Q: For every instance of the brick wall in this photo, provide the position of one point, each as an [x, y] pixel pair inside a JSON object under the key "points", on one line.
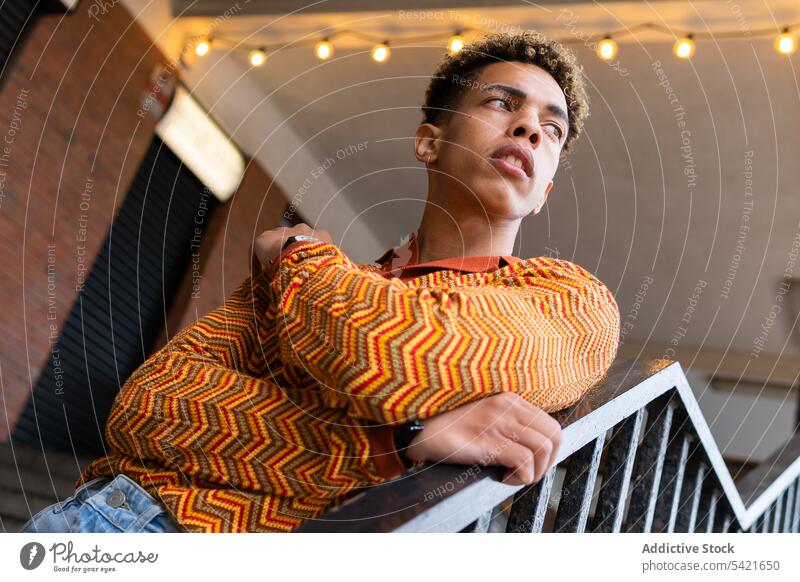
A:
{"points": [[224, 253], [69, 127]]}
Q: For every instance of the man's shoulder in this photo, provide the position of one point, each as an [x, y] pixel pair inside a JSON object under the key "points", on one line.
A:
{"points": [[545, 261], [552, 267], [368, 268]]}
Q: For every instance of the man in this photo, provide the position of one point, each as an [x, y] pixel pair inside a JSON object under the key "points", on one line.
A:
{"points": [[319, 377]]}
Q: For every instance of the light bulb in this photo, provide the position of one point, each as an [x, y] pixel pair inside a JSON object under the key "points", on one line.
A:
{"points": [[257, 57], [455, 44], [684, 47], [606, 49], [380, 53], [323, 49], [786, 42], [202, 48]]}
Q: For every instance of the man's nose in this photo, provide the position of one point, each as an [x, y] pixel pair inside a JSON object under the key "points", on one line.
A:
{"points": [[528, 127]]}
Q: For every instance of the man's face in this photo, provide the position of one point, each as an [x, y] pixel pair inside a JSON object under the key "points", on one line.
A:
{"points": [[501, 148]]}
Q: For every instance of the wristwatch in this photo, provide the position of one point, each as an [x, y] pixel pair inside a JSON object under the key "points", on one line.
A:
{"points": [[298, 238], [403, 436]]}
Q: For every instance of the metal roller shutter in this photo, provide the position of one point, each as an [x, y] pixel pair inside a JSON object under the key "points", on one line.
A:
{"points": [[119, 313]]}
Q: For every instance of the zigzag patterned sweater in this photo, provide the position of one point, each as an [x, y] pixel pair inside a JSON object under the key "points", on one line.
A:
{"points": [[280, 403]]}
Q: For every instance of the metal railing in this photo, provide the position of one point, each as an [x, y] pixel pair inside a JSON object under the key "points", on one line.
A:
{"points": [[636, 456]]}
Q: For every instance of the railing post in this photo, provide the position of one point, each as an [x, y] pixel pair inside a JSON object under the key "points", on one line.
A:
{"points": [[690, 497], [578, 487], [480, 525], [726, 524], [672, 474], [708, 510], [765, 520], [651, 461], [620, 458], [788, 513], [777, 517], [530, 506]]}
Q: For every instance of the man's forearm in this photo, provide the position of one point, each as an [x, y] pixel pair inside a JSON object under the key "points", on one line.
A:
{"points": [[545, 329], [209, 406]]}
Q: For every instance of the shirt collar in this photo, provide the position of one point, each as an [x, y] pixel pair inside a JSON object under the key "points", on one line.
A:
{"points": [[401, 261]]}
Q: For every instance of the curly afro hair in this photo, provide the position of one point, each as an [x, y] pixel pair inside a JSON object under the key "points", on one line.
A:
{"points": [[447, 84]]}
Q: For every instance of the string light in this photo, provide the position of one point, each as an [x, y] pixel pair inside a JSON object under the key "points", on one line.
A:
{"points": [[786, 42], [684, 47], [455, 44], [201, 48], [257, 57], [381, 52], [607, 49], [323, 49]]}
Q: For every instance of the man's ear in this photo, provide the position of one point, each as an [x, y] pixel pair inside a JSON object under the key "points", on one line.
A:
{"points": [[426, 143], [546, 192]]}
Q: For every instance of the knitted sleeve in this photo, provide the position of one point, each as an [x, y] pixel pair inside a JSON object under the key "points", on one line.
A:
{"points": [[388, 351], [208, 407]]}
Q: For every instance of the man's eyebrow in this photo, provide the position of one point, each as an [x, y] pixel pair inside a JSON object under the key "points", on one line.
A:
{"points": [[522, 95], [513, 91]]}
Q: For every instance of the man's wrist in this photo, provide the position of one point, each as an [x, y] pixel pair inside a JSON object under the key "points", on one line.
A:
{"points": [[299, 238], [403, 436], [289, 245]]}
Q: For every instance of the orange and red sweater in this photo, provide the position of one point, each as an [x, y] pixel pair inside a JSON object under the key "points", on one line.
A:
{"points": [[282, 402]]}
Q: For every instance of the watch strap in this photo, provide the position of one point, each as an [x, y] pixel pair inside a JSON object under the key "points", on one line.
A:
{"points": [[299, 238], [404, 434]]}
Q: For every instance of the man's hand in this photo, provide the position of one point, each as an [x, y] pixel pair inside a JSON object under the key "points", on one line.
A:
{"points": [[503, 429], [268, 244]]}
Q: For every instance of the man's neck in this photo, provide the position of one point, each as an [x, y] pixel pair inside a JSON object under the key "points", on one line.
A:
{"points": [[439, 238]]}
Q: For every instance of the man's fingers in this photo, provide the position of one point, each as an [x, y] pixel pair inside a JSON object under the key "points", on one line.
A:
{"points": [[519, 459], [530, 415], [510, 478], [537, 419], [540, 446], [525, 412]]}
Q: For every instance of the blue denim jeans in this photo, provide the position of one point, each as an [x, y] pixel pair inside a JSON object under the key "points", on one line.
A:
{"points": [[104, 505]]}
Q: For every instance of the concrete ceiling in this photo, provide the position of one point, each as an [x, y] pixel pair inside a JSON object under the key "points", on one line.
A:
{"points": [[623, 206]]}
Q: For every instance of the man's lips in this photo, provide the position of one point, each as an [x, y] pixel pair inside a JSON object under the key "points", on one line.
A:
{"points": [[513, 158], [508, 167]]}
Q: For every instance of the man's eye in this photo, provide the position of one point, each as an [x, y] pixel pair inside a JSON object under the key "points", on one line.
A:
{"points": [[506, 103], [555, 131]]}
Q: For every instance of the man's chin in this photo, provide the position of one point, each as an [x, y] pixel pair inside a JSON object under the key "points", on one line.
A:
{"points": [[504, 202], [498, 213]]}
